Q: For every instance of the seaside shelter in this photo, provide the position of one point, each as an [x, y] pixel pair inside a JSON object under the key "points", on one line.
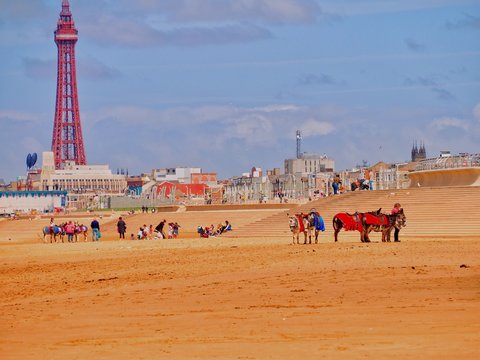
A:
{"points": [[27, 201]]}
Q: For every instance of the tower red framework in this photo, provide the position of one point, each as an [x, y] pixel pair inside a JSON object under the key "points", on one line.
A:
{"points": [[67, 141]]}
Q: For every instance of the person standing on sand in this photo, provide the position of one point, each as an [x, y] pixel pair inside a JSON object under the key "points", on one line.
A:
{"points": [[150, 232], [95, 230], [159, 228], [70, 231], [121, 227], [335, 186], [395, 210], [175, 230], [370, 179]]}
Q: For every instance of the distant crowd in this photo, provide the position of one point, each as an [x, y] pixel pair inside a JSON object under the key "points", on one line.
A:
{"points": [[210, 231], [72, 230], [164, 230], [149, 232], [364, 182]]}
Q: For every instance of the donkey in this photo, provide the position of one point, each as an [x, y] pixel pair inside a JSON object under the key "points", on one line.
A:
{"points": [[384, 223], [298, 224], [81, 230], [351, 222], [315, 225], [53, 232]]}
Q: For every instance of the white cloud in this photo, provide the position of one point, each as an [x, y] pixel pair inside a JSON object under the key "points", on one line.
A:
{"points": [[367, 7], [260, 126], [109, 30], [13, 115], [23, 9], [476, 112], [278, 108], [314, 128], [253, 129], [468, 21], [449, 122], [121, 114], [272, 11]]}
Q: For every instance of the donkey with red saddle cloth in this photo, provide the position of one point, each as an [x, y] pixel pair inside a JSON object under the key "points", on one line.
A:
{"points": [[351, 222], [383, 223], [298, 223]]}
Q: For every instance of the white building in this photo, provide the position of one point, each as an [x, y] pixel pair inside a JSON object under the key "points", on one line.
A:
{"points": [[309, 164], [84, 183], [182, 175], [80, 178], [27, 201]]}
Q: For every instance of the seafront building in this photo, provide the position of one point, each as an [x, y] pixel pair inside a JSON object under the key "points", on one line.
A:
{"points": [[79, 186], [86, 185], [181, 175], [309, 164], [12, 202]]}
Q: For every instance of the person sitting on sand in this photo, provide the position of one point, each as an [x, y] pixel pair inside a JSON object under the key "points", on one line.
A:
{"points": [[211, 230], [201, 231], [220, 229], [52, 225]]}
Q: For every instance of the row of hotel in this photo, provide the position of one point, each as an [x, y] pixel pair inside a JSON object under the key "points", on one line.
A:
{"points": [[308, 176]]}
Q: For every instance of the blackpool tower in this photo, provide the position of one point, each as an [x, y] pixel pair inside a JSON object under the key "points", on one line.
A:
{"points": [[67, 140]]}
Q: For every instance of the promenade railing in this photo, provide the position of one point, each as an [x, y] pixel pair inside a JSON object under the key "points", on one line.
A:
{"points": [[450, 162]]}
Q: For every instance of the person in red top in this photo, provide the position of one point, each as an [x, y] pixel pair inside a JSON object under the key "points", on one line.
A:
{"points": [[70, 231], [395, 210]]}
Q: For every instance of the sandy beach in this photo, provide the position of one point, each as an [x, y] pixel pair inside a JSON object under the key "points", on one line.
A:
{"points": [[244, 298]]}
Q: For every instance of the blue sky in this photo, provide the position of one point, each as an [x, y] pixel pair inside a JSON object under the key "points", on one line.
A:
{"points": [[224, 84]]}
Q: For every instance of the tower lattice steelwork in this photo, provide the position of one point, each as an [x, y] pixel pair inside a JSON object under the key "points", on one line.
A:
{"points": [[67, 141]]}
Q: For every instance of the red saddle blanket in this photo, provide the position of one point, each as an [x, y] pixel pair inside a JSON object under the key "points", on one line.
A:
{"points": [[300, 223], [350, 222], [376, 220]]}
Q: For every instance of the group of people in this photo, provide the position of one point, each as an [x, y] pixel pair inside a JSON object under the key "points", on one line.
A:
{"points": [[149, 232], [209, 231], [72, 229], [172, 232], [364, 182], [145, 209]]}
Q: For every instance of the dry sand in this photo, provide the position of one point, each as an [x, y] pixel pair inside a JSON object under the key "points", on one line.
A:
{"points": [[247, 298]]}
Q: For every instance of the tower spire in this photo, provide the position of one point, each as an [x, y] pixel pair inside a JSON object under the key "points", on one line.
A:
{"points": [[67, 139], [65, 9]]}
